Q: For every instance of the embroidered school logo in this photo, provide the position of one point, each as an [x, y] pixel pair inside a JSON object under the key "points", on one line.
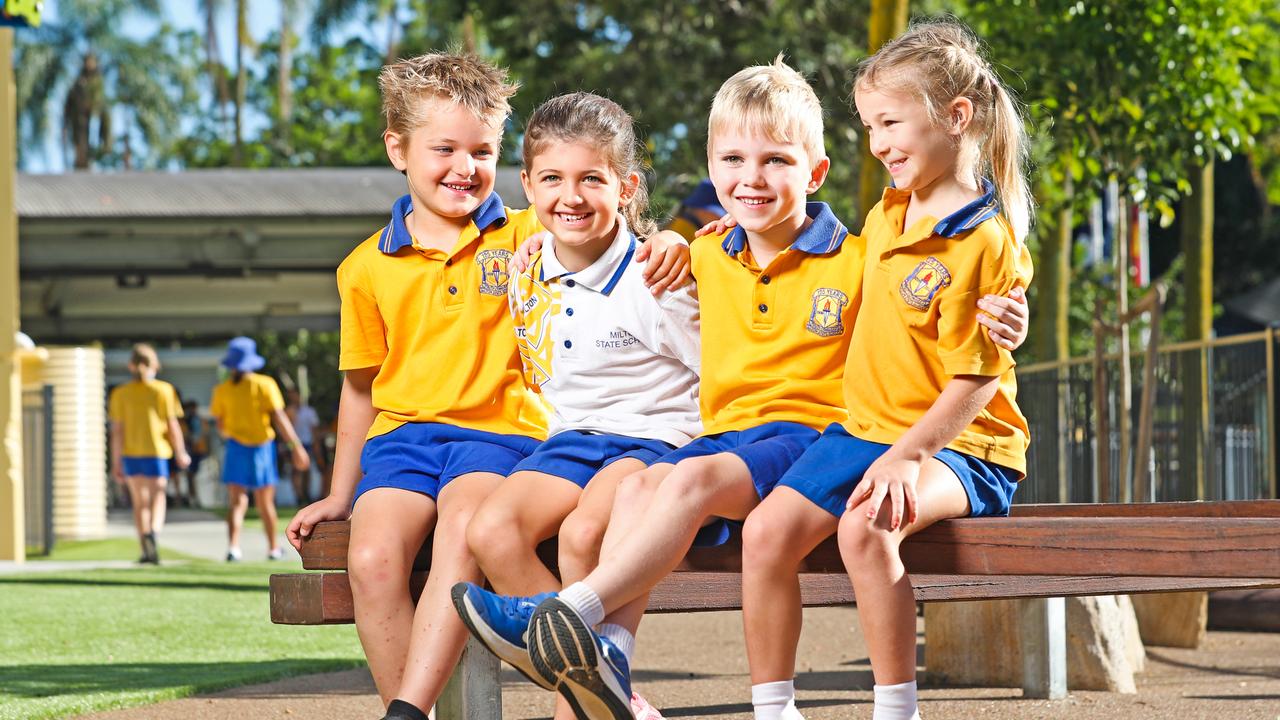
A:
{"points": [[924, 282], [493, 271], [824, 316]]}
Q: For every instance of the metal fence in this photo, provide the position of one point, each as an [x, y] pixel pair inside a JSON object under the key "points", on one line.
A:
{"points": [[1213, 429], [37, 467]]}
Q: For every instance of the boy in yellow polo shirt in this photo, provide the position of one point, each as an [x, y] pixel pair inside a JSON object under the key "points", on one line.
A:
{"points": [[145, 435], [434, 411]]}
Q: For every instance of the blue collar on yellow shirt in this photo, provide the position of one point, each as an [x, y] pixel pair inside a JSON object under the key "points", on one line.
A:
{"points": [[969, 216], [396, 234], [823, 235]]}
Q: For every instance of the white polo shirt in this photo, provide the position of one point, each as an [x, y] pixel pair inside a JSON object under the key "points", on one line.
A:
{"points": [[604, 353]]}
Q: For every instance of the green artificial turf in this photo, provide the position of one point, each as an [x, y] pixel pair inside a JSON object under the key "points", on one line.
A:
{"points": [[77, 642]]}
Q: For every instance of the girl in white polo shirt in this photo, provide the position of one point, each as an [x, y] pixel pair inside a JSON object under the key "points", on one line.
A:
{"points": [[617, 367]]}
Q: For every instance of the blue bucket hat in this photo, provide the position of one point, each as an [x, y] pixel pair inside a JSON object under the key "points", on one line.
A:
{"points": [[242, 354], [704, 197]]}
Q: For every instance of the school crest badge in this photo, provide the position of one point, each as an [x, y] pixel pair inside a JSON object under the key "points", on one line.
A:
{"points": [[826, 312], [493, 271], [924, 282]]}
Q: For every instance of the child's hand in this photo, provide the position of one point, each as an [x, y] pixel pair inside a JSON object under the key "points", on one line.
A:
{"points": [[524, 254], [895, 478], [668, 256], [1006, 317], [717, 227], [301, 460], [182, 460], [304, 522], [117, 471]]}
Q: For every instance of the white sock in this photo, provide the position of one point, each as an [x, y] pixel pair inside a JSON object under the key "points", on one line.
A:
{"points": [[585, 601], [896, 702], [775, 701], [621, 637]]}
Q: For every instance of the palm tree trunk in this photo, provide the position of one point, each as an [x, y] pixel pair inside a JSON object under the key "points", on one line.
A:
{"points": [[888, 20], [286, 74], [213, 62], [242, 29]]}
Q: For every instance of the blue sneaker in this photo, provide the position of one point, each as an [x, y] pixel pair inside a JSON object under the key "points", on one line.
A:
{"points": [[500, 622], [589, 670]]}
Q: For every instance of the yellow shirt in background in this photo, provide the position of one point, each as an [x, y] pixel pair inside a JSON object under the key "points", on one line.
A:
{"points": [[143, 408], [918, 325], [774, 339], [244, 408], [438, 325]]}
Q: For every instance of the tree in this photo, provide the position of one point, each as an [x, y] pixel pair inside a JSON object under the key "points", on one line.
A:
{"points": [[116, 92]]}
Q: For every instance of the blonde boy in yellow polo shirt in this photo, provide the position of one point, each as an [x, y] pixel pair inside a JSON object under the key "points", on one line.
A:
{"points": [[434, 411]]}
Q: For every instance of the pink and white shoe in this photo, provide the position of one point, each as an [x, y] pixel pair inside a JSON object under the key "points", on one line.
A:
{"points": [[642, 709]]}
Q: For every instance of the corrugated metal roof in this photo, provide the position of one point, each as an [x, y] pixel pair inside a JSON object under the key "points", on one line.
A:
{"points": [[304, 192]]}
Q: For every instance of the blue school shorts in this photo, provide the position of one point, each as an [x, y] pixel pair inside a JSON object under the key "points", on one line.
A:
{"points": [[829, 470], [577, 456], [146, 466], [252, 466], [769, 450], [424, 457]]}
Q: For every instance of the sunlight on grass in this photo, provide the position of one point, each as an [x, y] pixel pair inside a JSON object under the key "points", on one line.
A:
{"points": [[77, 642]]}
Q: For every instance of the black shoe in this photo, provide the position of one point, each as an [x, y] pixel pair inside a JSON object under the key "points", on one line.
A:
{"points": [[150, 553], [401, 710]]}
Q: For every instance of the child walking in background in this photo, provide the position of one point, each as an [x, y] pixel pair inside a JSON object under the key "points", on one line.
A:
{"points": [[616, 366], [245, 406], [933, 430], [145, 436]]}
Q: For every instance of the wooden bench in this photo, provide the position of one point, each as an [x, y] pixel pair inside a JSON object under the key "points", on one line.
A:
{"points": [[1040, 551]]}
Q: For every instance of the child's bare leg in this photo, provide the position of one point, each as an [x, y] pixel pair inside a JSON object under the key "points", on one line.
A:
{"points": [[265, 498], [237, 504], [140, 498], [526, 509], [582, 532], [388, 527], [643, 545], [775, 540], [438, 636], [159, 502], [886, 603]]}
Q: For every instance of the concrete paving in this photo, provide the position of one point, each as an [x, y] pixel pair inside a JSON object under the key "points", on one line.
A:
{"points": [[199, 533]]}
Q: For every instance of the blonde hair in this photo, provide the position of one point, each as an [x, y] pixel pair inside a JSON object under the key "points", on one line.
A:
{"points": [[603, 125], [143, 357], [939, 61], [461, 78], [774, 99]]}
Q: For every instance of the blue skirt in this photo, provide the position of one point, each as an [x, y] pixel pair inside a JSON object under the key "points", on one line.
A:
{"points": [[251, 466]]}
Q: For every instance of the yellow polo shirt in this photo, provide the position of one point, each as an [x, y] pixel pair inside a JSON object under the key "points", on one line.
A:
{"points": [[774, 339], [244, 408], [918, 324], [436, 324], [143, 408]]}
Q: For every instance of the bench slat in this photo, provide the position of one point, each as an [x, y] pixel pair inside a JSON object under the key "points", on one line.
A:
{"points": [[1205, 539], [325, 598]]}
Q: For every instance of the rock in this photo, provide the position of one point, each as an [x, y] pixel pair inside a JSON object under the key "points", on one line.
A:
{"points": [[1172, 619]]}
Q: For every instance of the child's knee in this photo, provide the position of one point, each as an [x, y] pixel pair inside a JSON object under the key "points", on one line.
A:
{"points": [[637, 489], [765, 541], [581, 535], [373, 564], [865, 540], [491, 531]]}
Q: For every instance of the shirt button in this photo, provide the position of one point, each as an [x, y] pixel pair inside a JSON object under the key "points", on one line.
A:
{"points": [[762, 307], [569, 312], [568, 343], [570, 283], [453, 289], [766, 279]]}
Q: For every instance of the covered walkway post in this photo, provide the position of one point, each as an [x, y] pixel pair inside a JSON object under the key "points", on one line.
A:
{"points": [[12, 530]]}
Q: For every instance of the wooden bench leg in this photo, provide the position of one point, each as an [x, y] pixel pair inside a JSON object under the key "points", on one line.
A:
{"points": [[1044, 648], [475, 691]]}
